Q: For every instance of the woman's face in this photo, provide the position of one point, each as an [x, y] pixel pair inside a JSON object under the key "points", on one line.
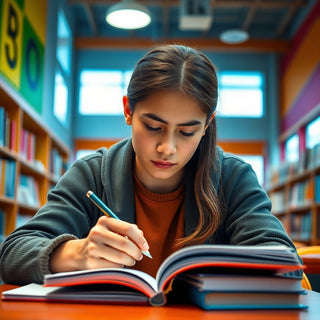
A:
{"points": [[166, 130]]}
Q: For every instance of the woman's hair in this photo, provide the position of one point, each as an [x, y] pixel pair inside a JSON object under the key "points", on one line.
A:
{"points": [[181, 68]]}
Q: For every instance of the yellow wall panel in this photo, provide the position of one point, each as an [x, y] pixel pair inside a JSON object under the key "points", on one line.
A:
{"points": [[301, 67], [11, 41], [36, 12]]}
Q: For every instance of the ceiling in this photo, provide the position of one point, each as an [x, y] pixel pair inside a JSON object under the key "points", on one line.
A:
{"points": [[270, 23]]}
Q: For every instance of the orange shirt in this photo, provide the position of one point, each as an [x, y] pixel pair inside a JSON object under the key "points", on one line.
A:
{"points": [[161, 218]]}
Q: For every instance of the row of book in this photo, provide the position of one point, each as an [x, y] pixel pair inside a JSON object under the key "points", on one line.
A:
{"points": [[21, 220], [301, 194], [8, 130], [300, 226], [28, 191], [7, 177], [8, 137], [309, 159], [27, 145]]}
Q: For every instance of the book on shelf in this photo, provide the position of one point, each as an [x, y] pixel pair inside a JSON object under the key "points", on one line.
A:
{"points": [[27, 145], [317, 188], [28, 191], [8, 130], [8, 174], [2, 225], [300, 226], [301, 194], [118, 285], [3, 117]]}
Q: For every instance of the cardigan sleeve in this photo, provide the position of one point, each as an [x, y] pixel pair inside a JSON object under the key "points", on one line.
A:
{"points": [[68, 214], [247, 216]]}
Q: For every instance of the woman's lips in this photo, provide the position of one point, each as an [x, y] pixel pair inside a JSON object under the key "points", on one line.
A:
{"points": [[163, 165]]}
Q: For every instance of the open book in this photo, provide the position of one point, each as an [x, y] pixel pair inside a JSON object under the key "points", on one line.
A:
{"points": [[226, 259]]}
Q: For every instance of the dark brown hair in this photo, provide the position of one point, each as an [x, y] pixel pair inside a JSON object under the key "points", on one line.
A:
{"points": [[181, 68]]}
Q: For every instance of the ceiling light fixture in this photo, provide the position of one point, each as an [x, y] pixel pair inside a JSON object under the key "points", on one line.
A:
{"points": [[234, 36], [128, 14]]}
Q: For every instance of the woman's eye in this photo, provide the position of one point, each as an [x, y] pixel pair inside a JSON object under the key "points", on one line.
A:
{"points": [[152, 128], [187, 134]]}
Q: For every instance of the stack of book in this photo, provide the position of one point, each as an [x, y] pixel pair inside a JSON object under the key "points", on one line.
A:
{"points": [[214, 276]]}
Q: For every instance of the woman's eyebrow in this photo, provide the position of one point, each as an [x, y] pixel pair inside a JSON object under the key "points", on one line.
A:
{"points": [[156, 118]]}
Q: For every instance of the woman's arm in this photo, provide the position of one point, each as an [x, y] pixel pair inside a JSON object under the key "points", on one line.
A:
{"points": [[67, 231]]}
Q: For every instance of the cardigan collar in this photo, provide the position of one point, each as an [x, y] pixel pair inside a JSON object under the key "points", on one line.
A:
{"points": [[117, 175]]}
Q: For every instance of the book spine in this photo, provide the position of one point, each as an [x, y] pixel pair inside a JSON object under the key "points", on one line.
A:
{"points": [[9, 172], [2, 225], [28, 191], [13, 135], [2, 126], [317, 189]]}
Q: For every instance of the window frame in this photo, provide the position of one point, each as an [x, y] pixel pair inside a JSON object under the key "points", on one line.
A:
{"points": [[235, 86]]}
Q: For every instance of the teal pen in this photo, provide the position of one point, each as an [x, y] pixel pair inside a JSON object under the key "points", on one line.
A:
{"points": [[108, 212]]}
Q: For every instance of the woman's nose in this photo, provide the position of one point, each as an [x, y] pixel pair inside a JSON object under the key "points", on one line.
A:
{"points": [[167, 145]]}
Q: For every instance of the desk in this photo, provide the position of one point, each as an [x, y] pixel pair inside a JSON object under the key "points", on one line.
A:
{"points": [[312, 270], [10, 310], [312, 263]]}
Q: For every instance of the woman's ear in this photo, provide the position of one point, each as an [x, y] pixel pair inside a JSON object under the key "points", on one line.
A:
{"points": [[209, 121], [126, 110]]}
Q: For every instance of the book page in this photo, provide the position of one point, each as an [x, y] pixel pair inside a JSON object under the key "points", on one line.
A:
{"points": [[128, 277], [260, 256]]}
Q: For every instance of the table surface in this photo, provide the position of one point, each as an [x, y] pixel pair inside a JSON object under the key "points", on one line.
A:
{"points": [[312, 263], [10, 310]]}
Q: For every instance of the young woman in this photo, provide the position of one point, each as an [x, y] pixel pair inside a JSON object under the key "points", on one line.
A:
{"points": [[169, 183]]}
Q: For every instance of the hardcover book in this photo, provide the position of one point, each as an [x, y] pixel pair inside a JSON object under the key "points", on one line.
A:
{"points": [[106, 285]]}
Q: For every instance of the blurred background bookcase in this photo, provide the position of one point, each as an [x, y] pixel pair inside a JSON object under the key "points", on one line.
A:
{"points": [[31, 160], [294, 190]]}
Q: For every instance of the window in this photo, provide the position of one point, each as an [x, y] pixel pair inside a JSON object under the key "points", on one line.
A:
{"points": [[292, 149], [312, 133], [257, 163], [60, 98], [101, 92], [240, 94], [63, 65]]}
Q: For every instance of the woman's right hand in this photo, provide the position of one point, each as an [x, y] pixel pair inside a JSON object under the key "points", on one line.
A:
{"points": [[110, 243]]}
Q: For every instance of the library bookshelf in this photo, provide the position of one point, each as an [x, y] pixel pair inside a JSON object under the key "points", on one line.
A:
{"points": [[295, 195], [31, 160]]}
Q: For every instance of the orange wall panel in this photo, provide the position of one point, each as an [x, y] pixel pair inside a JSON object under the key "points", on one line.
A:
{"points": [[301, 67]]}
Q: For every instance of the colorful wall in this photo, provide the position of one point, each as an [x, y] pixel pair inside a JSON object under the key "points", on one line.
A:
{"points": [[300, 77], [22, 43]]}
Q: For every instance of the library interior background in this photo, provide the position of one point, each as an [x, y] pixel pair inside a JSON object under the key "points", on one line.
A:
{"points": [[64, 70]]}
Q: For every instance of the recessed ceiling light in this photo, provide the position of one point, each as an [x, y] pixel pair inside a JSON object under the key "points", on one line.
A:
{"points": [[128, 14], [234, 36]]}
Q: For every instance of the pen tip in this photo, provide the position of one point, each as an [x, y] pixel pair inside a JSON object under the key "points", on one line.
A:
{"points": [[147, 253]]}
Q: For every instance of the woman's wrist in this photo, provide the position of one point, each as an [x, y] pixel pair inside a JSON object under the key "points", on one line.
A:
{"points": [[66, 257]]}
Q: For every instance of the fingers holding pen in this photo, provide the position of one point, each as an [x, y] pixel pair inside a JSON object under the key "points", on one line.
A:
{"points": [[115, 241], [129, 230]]}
